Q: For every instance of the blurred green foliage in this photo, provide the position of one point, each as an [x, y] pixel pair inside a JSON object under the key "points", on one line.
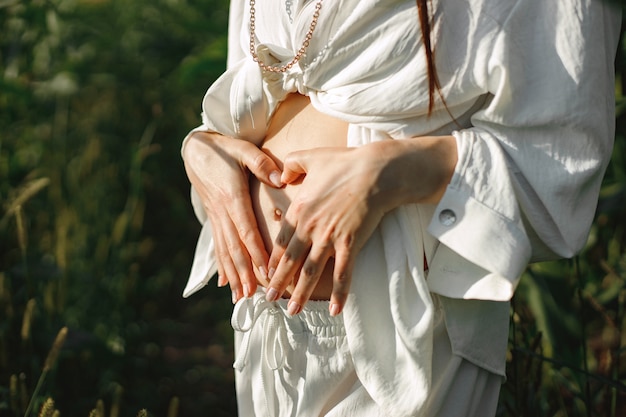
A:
{"points": [[97, 234]]}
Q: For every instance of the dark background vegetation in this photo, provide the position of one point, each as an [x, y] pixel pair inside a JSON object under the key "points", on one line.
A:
{"points": [[97, 234]]}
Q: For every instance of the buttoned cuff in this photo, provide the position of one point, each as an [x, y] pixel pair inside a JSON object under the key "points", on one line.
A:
{"points": [[481, 254]]}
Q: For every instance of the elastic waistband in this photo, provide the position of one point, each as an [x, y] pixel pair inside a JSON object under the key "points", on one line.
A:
{"points": [[314, 317], [314, 320]]}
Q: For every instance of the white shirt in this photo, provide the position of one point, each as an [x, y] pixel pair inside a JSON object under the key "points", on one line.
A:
{"points": [[530, 84]]}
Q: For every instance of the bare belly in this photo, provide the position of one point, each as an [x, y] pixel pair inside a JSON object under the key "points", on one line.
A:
{"points": [[296, 125]]}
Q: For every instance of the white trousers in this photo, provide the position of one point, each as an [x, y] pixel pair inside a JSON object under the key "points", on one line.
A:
{"points": [[301, 366]]}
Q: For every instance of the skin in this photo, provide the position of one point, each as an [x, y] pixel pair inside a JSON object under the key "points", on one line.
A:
{"points": [[342, 199], [219, 168], [341, 196]]}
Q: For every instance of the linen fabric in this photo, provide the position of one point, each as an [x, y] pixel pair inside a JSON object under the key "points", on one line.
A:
{"points": [[301, 366], [530, 86]]}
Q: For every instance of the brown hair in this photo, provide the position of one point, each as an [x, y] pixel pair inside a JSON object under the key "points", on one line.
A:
{"points": [[433, 81]]}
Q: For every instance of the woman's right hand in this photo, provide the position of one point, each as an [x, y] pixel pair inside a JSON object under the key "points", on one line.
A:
{"points": [[218, 167]]}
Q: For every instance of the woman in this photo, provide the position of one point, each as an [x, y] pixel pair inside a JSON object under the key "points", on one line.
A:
{"points": [[329, 167]]}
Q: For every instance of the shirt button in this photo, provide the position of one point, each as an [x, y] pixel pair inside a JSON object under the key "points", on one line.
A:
{"points": [[447, 217]]}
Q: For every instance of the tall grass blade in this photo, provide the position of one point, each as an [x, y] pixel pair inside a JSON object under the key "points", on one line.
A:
{"points": [[14, 395], [23, 390], [27, 320], [27, 192], [48, 365], [172, 410], [22, 238], [100, 408]]}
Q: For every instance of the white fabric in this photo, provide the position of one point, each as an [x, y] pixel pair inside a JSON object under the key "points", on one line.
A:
{"points": [[530, 84], [288, 366], [540, 72], [301, 366]]}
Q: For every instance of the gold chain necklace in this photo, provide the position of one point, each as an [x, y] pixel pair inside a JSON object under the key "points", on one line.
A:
{"points": [[301, 51]]}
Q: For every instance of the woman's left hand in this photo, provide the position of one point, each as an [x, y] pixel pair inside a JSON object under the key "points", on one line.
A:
{"points": [[343, 197], [333, 214]]}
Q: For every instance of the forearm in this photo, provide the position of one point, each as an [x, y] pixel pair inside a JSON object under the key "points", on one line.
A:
{"points": [[415, 170]]}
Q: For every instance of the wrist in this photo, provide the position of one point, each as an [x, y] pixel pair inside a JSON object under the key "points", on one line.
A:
{"points": [[193, 139]]}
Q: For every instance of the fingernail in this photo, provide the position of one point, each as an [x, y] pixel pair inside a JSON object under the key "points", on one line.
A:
{"points": [[293, 308], [246, 290], [234, 295], [334, 309], [263, 272], [271, 273], [275, 179], [221, 281], [272, 295]]}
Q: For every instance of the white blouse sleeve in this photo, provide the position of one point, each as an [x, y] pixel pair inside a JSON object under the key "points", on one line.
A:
{"points": [[235, 22], [529, 171]]}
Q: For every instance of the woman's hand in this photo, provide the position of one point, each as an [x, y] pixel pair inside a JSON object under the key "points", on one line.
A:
{"points": [[334, 212], [219, 168], [343, 196]]}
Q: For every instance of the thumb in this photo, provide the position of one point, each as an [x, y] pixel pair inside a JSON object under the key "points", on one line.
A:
{"points": [[262, 166], [294, 167]]}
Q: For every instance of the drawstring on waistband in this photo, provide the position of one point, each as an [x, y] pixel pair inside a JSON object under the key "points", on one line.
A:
{"points": [[273, 348], [274, 340], [245, 315]]}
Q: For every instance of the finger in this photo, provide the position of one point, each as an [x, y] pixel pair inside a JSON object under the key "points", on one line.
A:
{"points": [[239, 287], [290, 262], [342, 277], [229, 272], [242, 283], [245, 280], [218, 248], [234, 281], [261, 166], [308, 278], [294, 166], [222, 278], [248, 231], [280, 244]]}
